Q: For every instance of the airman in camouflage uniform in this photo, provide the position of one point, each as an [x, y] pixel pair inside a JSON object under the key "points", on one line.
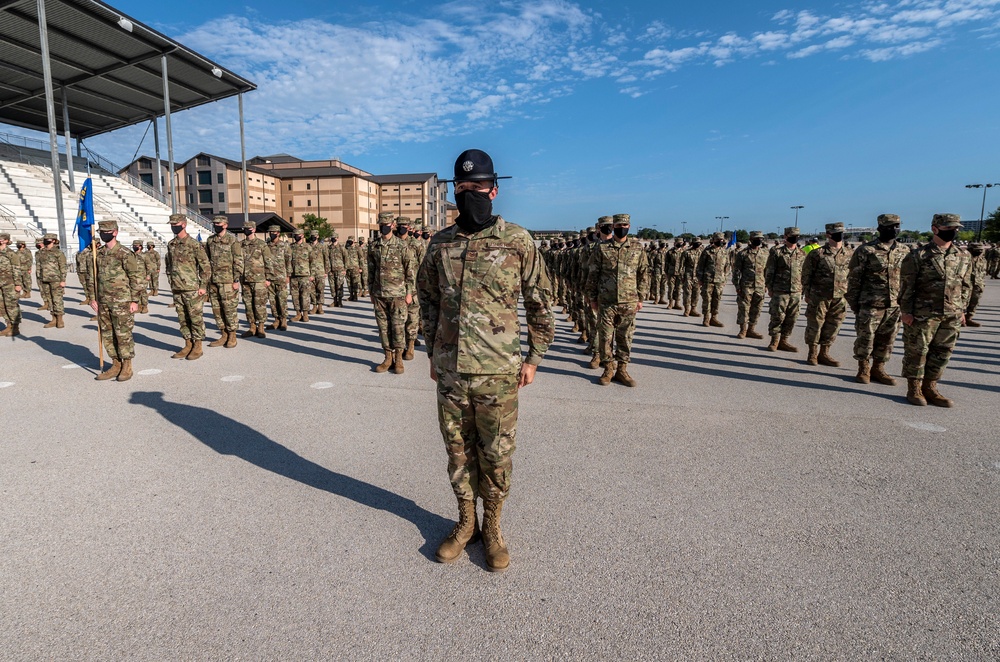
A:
{"points": [[320, 266], [749, 267], [934, 286], [226, 255], [617, 284], [712, 270], [277, 293], [391, 280], [152, 258], [993, 261], [302, 276], [50, 271], [337, 265], [689, 262], [470, 282], [362, 251], [417, 250], [27, 262], [10, 287], [354, 266], [258, 273], [605, 231], [189, 272], [783, 278], [673, 268], [140, 262], [872, 289], [824, 284], [115, 296], [45, 294], [655, 270], [978, 279]]}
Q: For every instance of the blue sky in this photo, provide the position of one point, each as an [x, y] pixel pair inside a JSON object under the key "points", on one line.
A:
{"points": [[673, 114]]}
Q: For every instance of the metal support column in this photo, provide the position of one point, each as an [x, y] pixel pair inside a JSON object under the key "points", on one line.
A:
{"points": [[156, 146], [69, 139], [243, 159], [170, 134], [50, 109]]}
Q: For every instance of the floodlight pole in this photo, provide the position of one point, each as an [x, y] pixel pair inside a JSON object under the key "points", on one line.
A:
{"points": [[243, 159], [156, 147], [50, 109], [69, 140], [170, 133]]}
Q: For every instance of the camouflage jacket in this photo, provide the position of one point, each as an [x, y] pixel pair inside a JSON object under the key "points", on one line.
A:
{"points": [[672, 262], [824, 273], [258, 262], [50, 266], [748, 268], [689, 261], [934, 282], [873, 278], [783, 273], [391, 268], [619, 273], [337, 258], [27, 259], [318, 260], [10, 268], [226, 255], [351, 260], [140, 264], [302, 260], [469, 286], [419, 248], [362, 250], [152, 259], [281, 252], [977, 272], [118, 277], [188, 268], [713, 265], [83, 259]]}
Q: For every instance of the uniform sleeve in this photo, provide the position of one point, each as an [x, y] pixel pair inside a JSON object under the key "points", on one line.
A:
{"points": [[269, 264], [63, 270], [429, 293], [700, 269], [168, 263], [967, 283], [769, 270], [409, 271], [594, 275], [204, 266], [907, 283], [737, 269], [855, 278], [237, 261], [371, 270], [287, 257], [642, 276], [135, 282], [808, 267], [537, 293]]}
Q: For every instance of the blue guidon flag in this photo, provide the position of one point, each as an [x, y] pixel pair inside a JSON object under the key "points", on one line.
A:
{"points": [[732, 240], [85, 214]]}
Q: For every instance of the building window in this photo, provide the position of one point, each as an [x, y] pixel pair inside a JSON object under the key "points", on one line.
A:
{"points": [[190, 180], [204, 178], [221, 178], [222, 196], [205, 197], [190, 198], [204, 161], [407, 188], [309, 186], [309, 203], [146, 177], [289, 203], [145, 164], [289, 187], [206, 212]]}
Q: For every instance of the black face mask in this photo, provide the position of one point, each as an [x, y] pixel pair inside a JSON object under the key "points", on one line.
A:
{"points": [[888, 233], [402, 232], [137, 249], [297, 238], [386, 230], [755, 242], [425, 235], [217, 228], [947, 235], [607, 229], [621, 232], [46, 243], [107, 236], [273, 237], [248, 234], [475, 211], [975, 252], [350, 243], [591, 236], [793, 239], [836, 236], [695, 244], [718, 243], [176, 229]]}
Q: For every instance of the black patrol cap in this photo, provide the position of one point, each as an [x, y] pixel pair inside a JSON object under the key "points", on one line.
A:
{"points": [[475, 165]]}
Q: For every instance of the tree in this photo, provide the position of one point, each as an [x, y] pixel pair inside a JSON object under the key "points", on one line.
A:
{"points": [[991, 232], [312, 222], [743, 236]]}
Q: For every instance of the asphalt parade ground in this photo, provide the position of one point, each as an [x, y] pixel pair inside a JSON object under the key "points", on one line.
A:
{"points": [[281, 501]]}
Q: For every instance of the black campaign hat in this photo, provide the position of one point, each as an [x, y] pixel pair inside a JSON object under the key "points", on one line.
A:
{"points": [[474, 165]]}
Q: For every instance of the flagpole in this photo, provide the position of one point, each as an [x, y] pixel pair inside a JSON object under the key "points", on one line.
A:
{"points": [[97, 306]]}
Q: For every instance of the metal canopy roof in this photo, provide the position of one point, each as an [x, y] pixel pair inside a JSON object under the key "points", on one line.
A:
{"points": [[112, 76]]}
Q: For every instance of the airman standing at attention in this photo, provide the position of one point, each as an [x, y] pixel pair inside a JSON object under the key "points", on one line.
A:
{"points": [[189, 273], [115, 298], [141, 266], [617, 285], [391, 277], [605, 230], [419, 235], [302, 278], [674, 268], [824, 284], [50, 270], [655, 270], [712, 270], [978, 280], [27, 261], [690, 259], [783, 278], [46, 298], [152, 258], [749, 268], [277, 293], [362, 251], [258, 274], [934, 287], [872, 289], [354, 267], [10, 287], [992, 261], [226, 256], [336, 259], [320, 265], [403, 227]]}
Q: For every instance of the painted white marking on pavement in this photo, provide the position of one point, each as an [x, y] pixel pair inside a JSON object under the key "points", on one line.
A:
{"points": [[927, 427], [233, 378], [6, 384], [71, 366], [321, 385], [150, 371]]}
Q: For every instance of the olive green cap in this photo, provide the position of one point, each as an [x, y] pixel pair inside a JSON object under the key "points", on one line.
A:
{"points": [[888, 219], [177, 219], [622, 219], [791, 231], [834, 227], [221, 220], [947, 220], [107, 226]]}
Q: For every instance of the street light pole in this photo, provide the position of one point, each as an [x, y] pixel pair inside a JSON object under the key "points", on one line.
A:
{"points": [[684, 226], [982, 211], [797, 208], [721, 220]]}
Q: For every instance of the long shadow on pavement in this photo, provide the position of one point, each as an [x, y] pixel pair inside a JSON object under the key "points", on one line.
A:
{"points": [[229, 437], [74, 353]]}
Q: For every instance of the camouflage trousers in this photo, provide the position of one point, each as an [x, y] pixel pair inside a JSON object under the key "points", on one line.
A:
{"points": [[748, 304], [691, 292], [46, 295], [711, 297], [784, 310], [876, 329], [616, 323], [143, 298], [52, 294], [354, 284], [255, 303], [222, 296], [116, 329], [363, 275], [302, 289], [190, 307], [26, 283], [277, 297], [11, 306], [927, 346], [412, 319], [823, 320], [664, 291], [478, 419], [390, 315], [319, 290], [974, 297], [560, 289], [654, 286], [590, 317], [154, 283], [336, 280], [676, 289]]}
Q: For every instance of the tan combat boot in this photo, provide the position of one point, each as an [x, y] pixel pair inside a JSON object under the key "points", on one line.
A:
{"points": [[60, 324], [275, 324], [284, 325], [704, 321], [813, 359], [743, 332], [319, 309], [576, 327], [595, 362], [196, 351], [397, 362], [465, 532], [221, 341], [864, 372], [609, 372], [752, 333], [785, 346], [913, 392], [230, 339], [126, 372], [676, 306], [622, 376], [144, 309], [880, 375], [305, 317], [825, 359], [408, 353], [249, 333], [933, 396], [110, 373], [584, 338], [773, 347], [51, 323], [260, 331], [44, 306], [715, 322], [298, 317], [16, 329], [184, 351], [970, 322], [497, 556], [386, 363]]}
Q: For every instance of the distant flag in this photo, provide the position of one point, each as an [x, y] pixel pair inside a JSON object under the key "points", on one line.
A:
{"points": [[199, 235], [85, 214], [732, 240]]}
